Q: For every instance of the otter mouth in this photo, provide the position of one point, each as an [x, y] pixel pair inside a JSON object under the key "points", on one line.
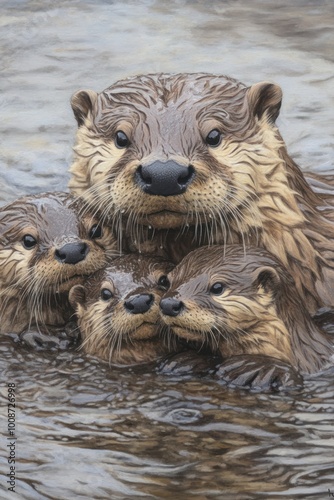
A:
{"points": [[67, 283], [168, 219], [145, 330], [166, 211], [171, 219], [192, 335], [164, 219]]}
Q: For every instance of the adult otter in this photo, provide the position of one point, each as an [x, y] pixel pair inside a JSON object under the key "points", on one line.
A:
{"points": [[191, 159], [244, 304], [46, 246], [118, 310]]}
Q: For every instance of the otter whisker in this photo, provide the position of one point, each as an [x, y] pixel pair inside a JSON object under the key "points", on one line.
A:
{"points": [[97, 191], [169, 338]]}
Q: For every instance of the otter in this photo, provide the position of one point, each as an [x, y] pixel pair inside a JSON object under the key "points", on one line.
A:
{"points": [[117, 310], [179, 161], [48, 243], [244, 304]]}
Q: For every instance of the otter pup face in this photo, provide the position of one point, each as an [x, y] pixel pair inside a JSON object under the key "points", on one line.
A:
{"points": [[218, 296], [47, 243], [176, 150], [120, 304]]}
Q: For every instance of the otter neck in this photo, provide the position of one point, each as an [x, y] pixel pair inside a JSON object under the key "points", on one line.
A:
{"points": [[20, 312], [281, 217], [13, 311], [311, 347], [266, 335]]}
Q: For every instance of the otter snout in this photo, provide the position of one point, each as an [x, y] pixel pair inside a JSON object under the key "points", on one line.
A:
{"points": [[171, 307], [164, 178], [72, 253], [139, 304]]}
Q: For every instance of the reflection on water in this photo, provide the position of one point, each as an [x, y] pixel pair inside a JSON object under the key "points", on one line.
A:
{"points": [[85, 431]]}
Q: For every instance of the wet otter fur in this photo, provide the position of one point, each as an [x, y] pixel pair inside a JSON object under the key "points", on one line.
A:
{"points": [[177, 161], [242, 302], [118, 310], [46, 246]]}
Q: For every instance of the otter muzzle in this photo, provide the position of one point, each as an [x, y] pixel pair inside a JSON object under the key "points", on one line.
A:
{"points": [[164, 178], [171, 307]]}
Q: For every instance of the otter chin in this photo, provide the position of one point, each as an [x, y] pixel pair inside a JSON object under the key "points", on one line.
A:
{"points": [[166, 219], [48, 243], [242, 302], [200, 155], [117, 310], [144, 331], [184, 333]]}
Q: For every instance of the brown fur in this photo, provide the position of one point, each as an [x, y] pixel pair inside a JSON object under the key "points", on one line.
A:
{"points": [[247, 190], [109, 331], [258, 312], [33, 284]]}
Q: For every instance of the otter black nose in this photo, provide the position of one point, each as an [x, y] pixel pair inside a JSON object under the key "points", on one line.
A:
{"points": [[72, 253], [164, 178], [139, 304], [171, 307]]}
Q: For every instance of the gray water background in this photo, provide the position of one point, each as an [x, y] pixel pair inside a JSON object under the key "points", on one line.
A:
{"points": [[85, 431]]}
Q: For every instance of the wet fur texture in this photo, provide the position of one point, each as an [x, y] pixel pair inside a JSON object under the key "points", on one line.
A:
{"points": [[34, 285], [109, 331], [259, 311], [246, 190]]}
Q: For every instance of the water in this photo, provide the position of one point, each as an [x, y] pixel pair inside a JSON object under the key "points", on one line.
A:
{"points": [[85, 431]]}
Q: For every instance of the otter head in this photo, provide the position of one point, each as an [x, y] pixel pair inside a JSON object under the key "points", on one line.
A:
{"points": [[169, 151], [48, 242], [120, 304], [224, 297]]}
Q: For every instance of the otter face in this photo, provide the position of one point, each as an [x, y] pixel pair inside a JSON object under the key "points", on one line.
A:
{"points": [[218, 296], [47, 244], [120, 304], [170, 151]]}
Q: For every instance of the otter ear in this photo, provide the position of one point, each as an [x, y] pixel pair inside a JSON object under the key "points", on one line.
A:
{"points": [[82, 103], [265, 97], [77, 296], [267, 278]]}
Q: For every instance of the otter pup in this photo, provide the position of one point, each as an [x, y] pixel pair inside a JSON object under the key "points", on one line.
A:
{"points": [[244, 304], [118, 310], [48, 242], [199, 156]]}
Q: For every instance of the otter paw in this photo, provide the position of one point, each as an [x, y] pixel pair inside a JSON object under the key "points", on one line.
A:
{"points": [[324, 318], [188, 363], [258, 372], [61, 340]]}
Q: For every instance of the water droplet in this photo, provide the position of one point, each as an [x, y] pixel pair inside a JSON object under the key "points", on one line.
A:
{"points": [[184, 415], [150, 227]]}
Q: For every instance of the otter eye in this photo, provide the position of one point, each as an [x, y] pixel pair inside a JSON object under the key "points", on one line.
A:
{"points": [[29, 241], [217, 288], [95, 232], [213, 138], [163, 282], [106, 294], [121, 139]]}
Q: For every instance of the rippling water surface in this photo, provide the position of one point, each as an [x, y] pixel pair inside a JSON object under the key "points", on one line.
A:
{"points": [[90, 432]]}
